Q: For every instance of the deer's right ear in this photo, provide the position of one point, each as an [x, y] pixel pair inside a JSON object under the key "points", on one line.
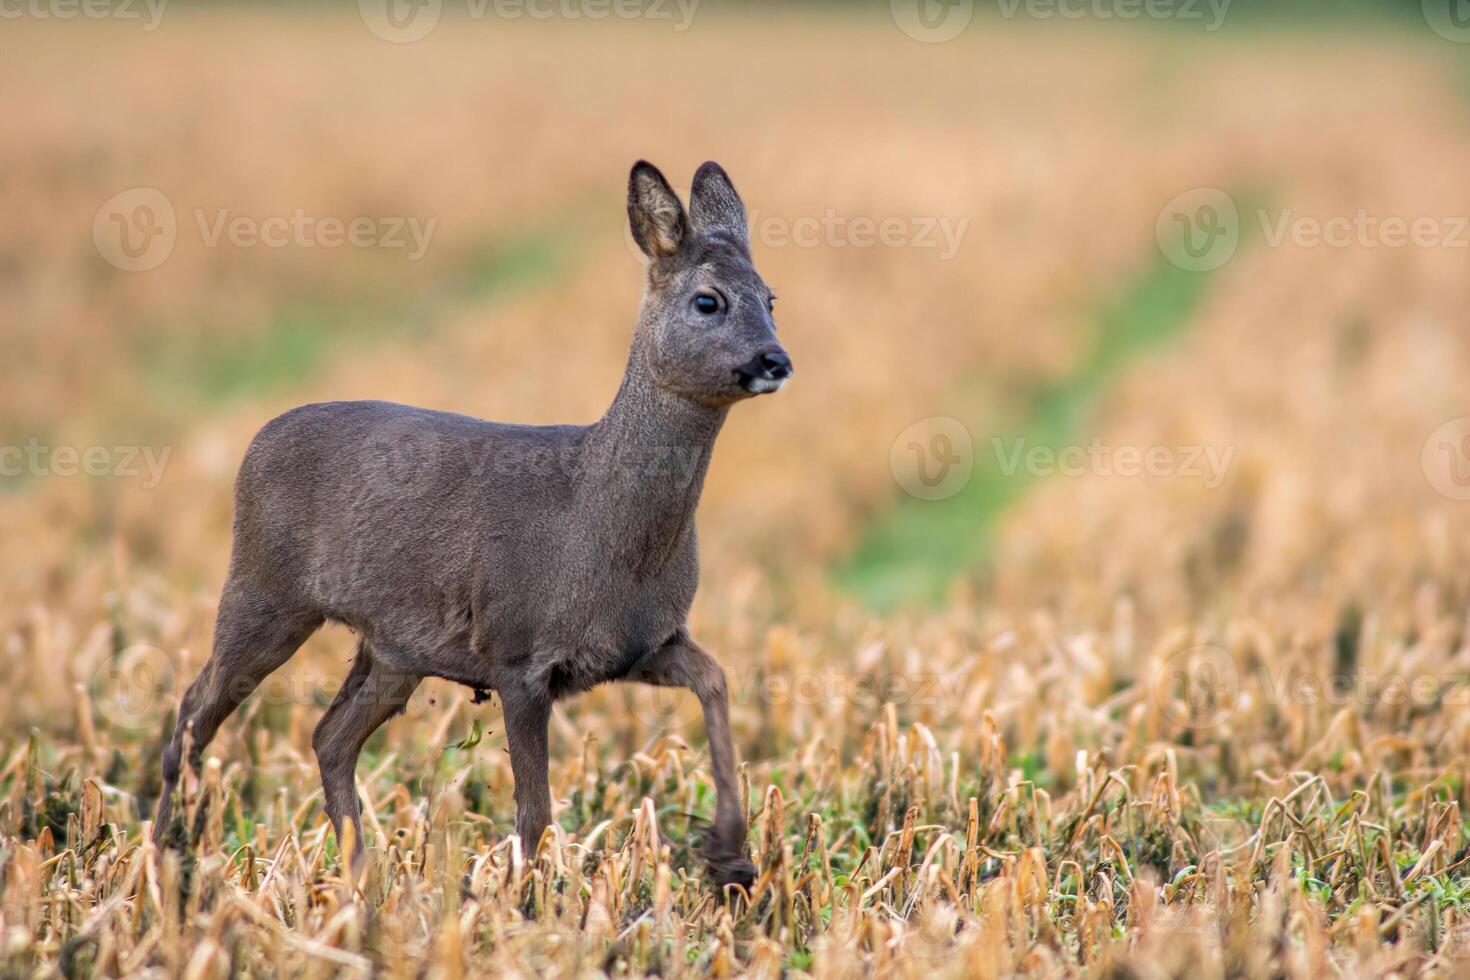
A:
{"points": [[654, 212]]}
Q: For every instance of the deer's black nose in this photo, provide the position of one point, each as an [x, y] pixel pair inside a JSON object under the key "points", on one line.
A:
{"points": [[764, 372], [775, 365]]}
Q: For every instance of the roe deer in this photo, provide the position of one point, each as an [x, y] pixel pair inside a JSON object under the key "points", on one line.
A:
{"points": [[533, 561]]}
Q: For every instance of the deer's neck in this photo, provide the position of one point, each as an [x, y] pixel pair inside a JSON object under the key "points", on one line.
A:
{"points": [[644, 464]]}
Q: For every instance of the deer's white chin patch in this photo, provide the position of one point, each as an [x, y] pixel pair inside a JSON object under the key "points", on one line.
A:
{"points": [[764, 386]]}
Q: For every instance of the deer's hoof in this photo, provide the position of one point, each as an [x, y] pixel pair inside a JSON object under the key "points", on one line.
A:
{"points": [[732, 871]]}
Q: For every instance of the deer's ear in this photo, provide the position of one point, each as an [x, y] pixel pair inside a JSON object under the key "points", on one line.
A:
{"points": [[714, 205], [654, 211]]}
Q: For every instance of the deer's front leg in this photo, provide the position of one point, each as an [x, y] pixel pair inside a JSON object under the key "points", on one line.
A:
{"points": [[526, 718], [683, 663]]}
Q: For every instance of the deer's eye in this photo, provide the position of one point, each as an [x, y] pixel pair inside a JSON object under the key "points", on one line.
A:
{"points": [[707, 303]]}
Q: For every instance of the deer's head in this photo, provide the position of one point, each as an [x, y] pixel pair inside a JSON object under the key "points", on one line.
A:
{"points": [[707, 328]]}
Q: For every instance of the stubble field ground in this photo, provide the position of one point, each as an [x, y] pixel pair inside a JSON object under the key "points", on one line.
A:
{"points": [[1175, 683]]}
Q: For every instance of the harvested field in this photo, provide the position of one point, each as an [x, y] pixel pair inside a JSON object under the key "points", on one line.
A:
{"points": [[1177, 682]]}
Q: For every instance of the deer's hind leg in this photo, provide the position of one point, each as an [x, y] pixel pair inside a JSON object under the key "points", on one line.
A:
{"points": [[254, 634], [372, 693]]}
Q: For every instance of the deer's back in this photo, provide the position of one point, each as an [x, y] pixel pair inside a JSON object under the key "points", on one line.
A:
{"points": [[385, 516]]}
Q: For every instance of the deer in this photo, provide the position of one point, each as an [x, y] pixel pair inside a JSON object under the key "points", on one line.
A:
{"points": [[532, 562]]}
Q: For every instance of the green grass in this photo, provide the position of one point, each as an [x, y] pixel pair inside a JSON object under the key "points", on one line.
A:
{"points": [[1333, 16], [218, 365], [914, 551]]}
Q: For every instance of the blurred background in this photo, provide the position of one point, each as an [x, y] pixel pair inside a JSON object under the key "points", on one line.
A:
{"points": [[1131, 342], [1120, 326]]}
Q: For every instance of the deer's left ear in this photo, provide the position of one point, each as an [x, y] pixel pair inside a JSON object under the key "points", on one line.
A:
{"points": [[714, 205], [654, 212]]}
